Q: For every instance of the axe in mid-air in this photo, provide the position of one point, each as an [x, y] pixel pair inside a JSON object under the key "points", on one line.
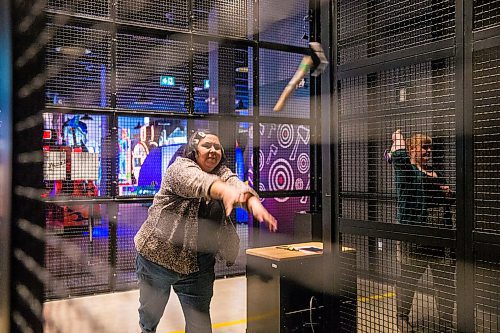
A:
{"points": [[315, 60]]}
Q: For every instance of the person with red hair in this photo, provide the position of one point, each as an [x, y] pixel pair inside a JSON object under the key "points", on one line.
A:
{"points": [[419, 189]]}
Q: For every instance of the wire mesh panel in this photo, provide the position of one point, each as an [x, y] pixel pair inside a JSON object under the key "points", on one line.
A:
{"points": [[487, 139], [76, 253], [146, 147], [369, 28], [367, 280], [487, 292], [77, 156], [85, 8], [486, 13], [151, 74], [78, 67], [417, 99], [225, 18], [400, 285], [275, 71], [129, 219], [284, 22], [284, 210], [222, 79], [168, 14]]}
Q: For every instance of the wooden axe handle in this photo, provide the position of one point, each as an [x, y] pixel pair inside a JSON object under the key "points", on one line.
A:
{"points": [[304, 68]]}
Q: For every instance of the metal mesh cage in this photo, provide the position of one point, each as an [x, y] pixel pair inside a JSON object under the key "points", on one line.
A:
{"points": [[284, 22], [395, 280], [222, 79], [230, 18], [76, 252], [78, 67], [77, 156], [151, 74], [129, 219], [486, 14], [129, 65], [370, 28], [276, 68], [487, 293], [85, 8], [416, 99], [487, 139], [168, 14]]}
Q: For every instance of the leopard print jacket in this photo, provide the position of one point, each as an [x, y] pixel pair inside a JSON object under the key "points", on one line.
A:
{"points": [[168, 237]]}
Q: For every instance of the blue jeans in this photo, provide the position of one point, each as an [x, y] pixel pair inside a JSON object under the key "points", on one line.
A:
{"points": [[194, 291]]}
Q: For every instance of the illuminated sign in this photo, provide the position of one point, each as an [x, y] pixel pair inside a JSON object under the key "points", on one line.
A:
{"points": [[206, 84], [167, 81]]}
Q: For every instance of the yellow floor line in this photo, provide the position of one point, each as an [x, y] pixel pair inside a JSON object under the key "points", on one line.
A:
{"points": [[375, 297], [243, 321], [230, 323], [219, 325]]}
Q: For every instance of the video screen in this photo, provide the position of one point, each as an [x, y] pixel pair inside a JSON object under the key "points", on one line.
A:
{"points": [[146, 147]]}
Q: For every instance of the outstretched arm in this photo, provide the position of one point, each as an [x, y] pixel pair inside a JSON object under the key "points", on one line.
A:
{"points": [[398, 141], [258, 211]]}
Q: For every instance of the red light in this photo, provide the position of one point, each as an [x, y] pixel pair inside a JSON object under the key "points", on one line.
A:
{"points": [[47, 134]]}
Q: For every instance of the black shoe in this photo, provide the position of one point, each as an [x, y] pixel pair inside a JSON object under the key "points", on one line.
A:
{"points": [[404, 325]]}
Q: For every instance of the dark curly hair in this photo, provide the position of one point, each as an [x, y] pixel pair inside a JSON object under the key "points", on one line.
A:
{"points": [[193, 141]]}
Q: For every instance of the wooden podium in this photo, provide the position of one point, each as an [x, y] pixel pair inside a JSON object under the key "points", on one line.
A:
{"points": [[284, 288], [281, 281]]}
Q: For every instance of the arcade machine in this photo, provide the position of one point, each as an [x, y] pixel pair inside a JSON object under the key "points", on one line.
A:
{"points": [[70, 170]]}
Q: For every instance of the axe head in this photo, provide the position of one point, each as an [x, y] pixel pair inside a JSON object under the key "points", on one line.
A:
{"points": [[319, 58]]}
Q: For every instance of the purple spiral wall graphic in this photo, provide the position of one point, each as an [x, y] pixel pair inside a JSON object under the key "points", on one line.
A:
{"points": [[281, 177], [303, 163], [285, 135], [284, 165], [299, 184]]}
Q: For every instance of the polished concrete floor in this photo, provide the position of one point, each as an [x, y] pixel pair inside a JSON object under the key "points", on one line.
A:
{"points": [[117, 312]]}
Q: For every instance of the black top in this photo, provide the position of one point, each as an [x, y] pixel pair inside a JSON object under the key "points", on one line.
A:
{"points": [[210, 217]]}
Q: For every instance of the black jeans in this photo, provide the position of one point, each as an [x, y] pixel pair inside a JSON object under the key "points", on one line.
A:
{"points": [[194, 290]]}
